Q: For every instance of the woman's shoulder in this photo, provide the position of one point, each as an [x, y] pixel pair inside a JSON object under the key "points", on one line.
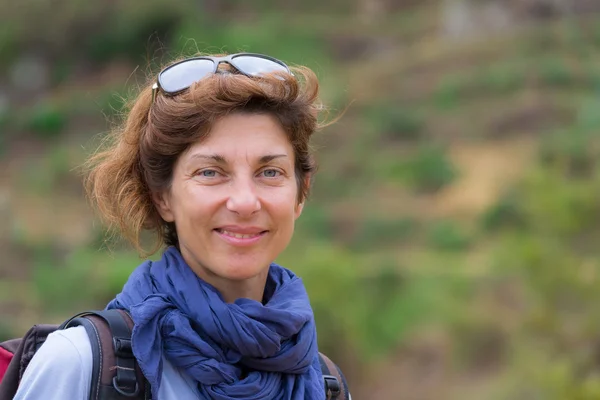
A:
{"points": [[74, 341], [62, 366]]}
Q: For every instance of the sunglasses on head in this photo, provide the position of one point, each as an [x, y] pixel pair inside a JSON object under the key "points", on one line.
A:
{"points": [[180, 76]]}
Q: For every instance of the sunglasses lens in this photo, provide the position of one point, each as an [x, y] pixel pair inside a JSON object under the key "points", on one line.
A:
{"points": [[183, 75], [257, 66]]}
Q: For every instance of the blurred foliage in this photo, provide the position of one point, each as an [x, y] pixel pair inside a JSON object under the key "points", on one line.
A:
{"points": [[46, 120], [58, 279], [427, 170], [446, 235], [379, 232], [512, 286], [395, 122]]}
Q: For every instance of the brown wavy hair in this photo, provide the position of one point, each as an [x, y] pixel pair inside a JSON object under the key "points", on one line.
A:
{"points": [[137, 157]]}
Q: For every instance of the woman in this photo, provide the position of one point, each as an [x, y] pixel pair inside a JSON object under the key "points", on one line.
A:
{"points": [[214, 159]]}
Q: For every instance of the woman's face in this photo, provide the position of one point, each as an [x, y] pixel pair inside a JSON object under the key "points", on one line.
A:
{"points": [[233, 198]]}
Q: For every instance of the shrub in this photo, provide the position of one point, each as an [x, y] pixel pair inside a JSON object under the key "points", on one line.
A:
{"points": [[447, 235], [428, 170], [393, 122], [47, 120]]}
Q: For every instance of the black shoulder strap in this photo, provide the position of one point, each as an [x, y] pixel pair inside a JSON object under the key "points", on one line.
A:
{"points": [[115, 373], [336, 386]]}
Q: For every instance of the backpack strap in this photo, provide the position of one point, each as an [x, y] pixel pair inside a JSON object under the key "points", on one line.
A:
{"points": [[336, 386], [115, 372]]}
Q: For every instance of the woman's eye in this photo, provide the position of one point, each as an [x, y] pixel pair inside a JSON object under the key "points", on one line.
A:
{"points": [[208, 173], [271, 173]]}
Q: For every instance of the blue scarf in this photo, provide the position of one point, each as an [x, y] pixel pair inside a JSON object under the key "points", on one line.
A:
{"points": [[245, 350]]}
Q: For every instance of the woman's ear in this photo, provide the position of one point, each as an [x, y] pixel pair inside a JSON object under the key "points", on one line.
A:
{"points": [[162, 203], [300, 205], [299, 208]]}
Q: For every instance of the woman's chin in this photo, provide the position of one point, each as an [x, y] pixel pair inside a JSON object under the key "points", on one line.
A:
{"points": [[240, 271]]}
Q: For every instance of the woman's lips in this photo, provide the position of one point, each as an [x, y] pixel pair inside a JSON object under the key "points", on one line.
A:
{"points": [[241, 237]]}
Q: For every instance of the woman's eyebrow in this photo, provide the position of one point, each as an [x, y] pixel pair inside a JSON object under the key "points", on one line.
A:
{"points": [[270, 157], [212, 157]]}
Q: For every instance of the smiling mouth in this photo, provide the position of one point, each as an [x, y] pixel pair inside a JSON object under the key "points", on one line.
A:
{"points": [[240, 235]]}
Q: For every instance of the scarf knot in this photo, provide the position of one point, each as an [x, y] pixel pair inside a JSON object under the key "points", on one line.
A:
{"points": [[243, 350]]}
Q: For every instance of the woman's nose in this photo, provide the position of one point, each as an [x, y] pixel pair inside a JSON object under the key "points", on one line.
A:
{"points": [[243, 199]]}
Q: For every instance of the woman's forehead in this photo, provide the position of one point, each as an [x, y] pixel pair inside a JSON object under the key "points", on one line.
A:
{"points": [[238, 137]]}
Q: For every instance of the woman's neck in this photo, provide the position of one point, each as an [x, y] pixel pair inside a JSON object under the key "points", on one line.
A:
{"points": [[252, 288], [231, 290]]}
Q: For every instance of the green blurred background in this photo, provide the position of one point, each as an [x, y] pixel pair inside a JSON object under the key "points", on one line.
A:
{"points": [[450, 247]]}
